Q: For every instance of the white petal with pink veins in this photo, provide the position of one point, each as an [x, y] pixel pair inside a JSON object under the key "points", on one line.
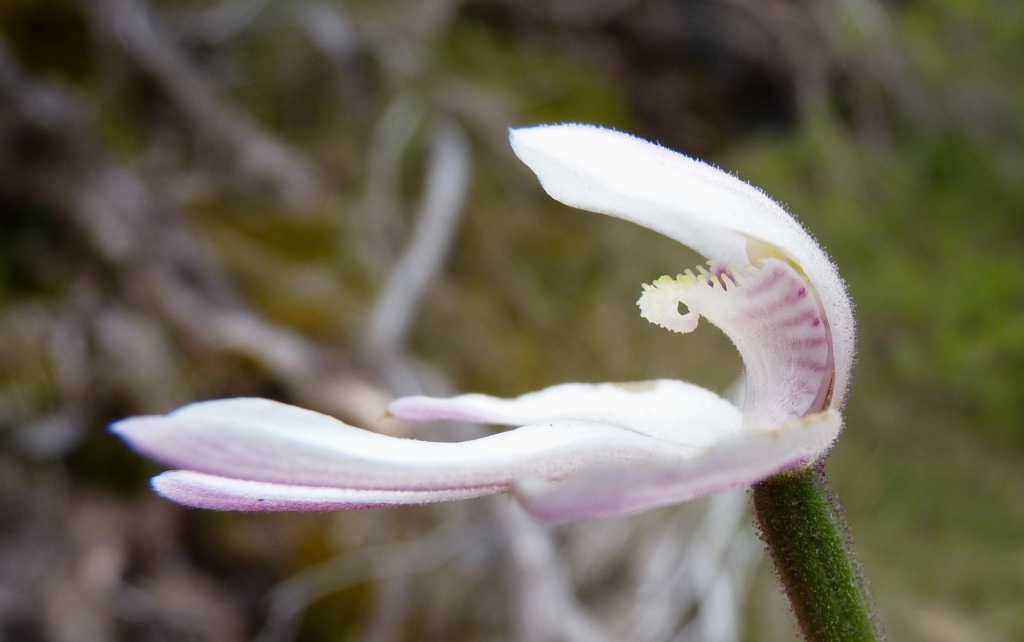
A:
{"points": [[772, 316]]}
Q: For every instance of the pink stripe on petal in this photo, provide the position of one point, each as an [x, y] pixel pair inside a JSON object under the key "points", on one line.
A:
{"points": [[789, 367], [199, 490], [625, 490]]}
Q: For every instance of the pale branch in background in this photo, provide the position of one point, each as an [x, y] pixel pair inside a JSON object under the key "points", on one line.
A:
{"points": [[380, 225], [162, 265], [434, 229], [221, 132]]}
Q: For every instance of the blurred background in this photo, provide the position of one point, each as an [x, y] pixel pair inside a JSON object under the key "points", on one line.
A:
{"points": [[314, 201]]}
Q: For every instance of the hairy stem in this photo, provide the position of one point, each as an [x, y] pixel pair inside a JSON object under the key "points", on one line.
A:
{"points": [[803, 528]]}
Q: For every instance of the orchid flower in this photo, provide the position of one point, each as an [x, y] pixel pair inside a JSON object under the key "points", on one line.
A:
{"points": [[578, 450]]}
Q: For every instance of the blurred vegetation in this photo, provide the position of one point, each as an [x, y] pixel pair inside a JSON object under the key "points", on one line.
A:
{"points": [[893, 130]]}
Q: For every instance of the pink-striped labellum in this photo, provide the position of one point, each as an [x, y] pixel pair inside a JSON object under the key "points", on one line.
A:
{"points": [[578, 450]]}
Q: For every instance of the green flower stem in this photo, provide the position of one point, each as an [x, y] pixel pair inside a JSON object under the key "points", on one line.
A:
{"points": [[803, 528]]}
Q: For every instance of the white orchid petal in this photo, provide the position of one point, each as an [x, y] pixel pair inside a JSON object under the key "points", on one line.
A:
{"points": [[200, 490], [266, 441], [584, 450], [772, 316], [713, 212], [666, 409], [740, 461]]}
